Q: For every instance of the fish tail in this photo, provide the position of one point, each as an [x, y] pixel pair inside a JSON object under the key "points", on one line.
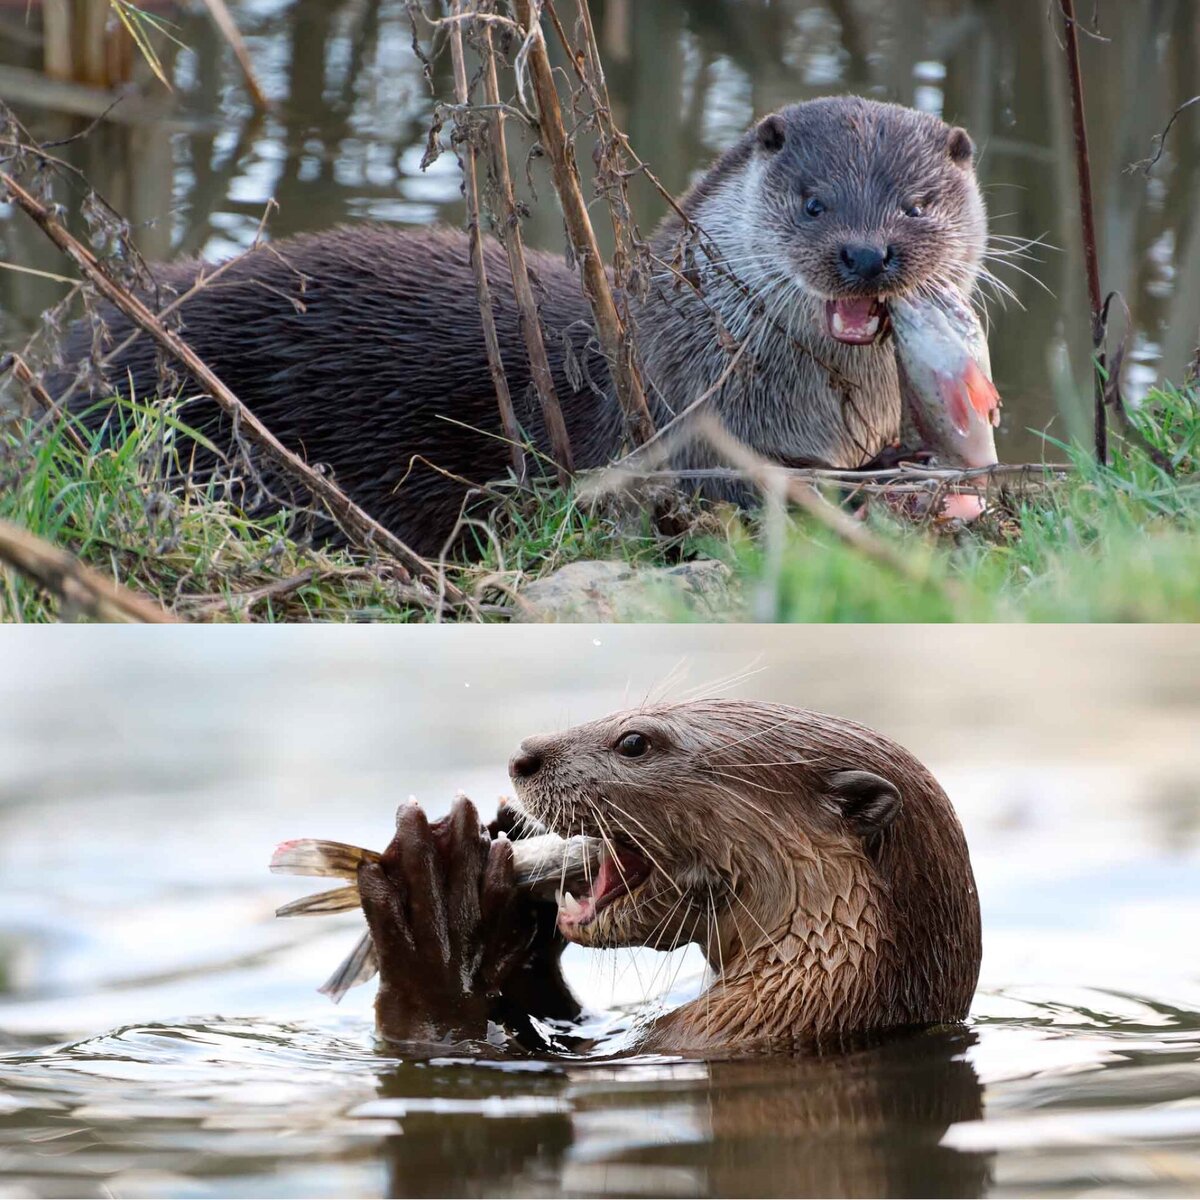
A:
{"points": [[357, 967], [313, 856], [336, 900]]}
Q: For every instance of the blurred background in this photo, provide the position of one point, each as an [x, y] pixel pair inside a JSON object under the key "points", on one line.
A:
{"points": [[352, 111], [160, 1032]]}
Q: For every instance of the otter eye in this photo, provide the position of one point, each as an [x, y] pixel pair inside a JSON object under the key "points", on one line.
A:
{"points": [[632, 745], [915, 210], [813, 207]]}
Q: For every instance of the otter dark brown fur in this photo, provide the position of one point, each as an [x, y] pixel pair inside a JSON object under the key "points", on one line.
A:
{"points": [[819, 866], [362, 347]]}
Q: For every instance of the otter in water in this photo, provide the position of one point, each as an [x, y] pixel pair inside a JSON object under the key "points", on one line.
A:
{"points": [[362, 348], [819, 867]]}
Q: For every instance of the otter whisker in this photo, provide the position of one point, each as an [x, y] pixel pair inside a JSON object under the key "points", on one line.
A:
{"points": [[638, 846]]}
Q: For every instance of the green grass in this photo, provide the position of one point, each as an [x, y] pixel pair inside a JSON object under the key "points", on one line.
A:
{"points": [[1120, 543]]}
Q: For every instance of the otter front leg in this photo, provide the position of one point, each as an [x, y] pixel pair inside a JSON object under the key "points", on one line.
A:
{"points": [[457, 943], [536, 988]]}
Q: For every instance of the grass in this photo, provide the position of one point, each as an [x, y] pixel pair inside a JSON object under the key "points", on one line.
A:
{"points": [[1120, 543]]}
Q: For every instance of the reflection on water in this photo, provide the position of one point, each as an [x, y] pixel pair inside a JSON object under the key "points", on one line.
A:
{"points": [[346, 140], [160, 1033]]}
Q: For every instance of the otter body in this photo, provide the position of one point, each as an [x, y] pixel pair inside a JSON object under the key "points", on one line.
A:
{"points": [[819, 866], [362, 348]]}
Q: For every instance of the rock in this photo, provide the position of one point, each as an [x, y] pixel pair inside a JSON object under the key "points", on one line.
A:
{"points": [[616, 591]]}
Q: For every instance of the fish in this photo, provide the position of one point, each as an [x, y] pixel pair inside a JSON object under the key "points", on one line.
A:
{"points": [[946, 382], [544, 864]]}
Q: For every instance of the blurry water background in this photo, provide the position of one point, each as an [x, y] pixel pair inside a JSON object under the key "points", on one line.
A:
{"points": [[160, 1032], [686, 77]]}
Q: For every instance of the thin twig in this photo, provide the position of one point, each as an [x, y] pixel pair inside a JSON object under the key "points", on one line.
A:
{"points": [[514, 246], [1145, 165], [767, 475], [47, 402], [614, 338], [78, 587], [483, 291], [1083, 171], [359, 526], [223, 19]]}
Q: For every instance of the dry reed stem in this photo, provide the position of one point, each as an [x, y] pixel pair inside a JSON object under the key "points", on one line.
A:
{"points": [[223, 19], [60, 573], [483, 291], [614, 338], [514, 246], [1083, 171], [359, 526], [42, 397]]}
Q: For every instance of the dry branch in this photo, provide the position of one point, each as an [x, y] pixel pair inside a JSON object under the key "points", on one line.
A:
{"points": [[508, 418], [514, 246], [358, 525], [1083, 170], [80, 588], [223, 19], [614, 338], [770, 478]]}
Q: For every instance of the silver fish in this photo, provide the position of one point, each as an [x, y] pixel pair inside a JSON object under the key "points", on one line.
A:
{"points": [[543, 864], [945, 377]]}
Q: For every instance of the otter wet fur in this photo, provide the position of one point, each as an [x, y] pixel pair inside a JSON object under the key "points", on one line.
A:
{"points": [[819, 867], [362, 349]]}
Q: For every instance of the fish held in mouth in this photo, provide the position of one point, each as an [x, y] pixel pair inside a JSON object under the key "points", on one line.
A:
{"points": [[620, 873], [946, 384], [856, 321]]}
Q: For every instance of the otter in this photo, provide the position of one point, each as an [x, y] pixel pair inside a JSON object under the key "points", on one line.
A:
{"points": [[819, 867], [362, 348]]}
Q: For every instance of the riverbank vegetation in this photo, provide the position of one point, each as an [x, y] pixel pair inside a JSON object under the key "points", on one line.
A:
{"points": [[1113, 543]]}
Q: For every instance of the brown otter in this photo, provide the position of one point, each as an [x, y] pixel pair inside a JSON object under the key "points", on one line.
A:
{"points": [[362, 347], [818, 865]]}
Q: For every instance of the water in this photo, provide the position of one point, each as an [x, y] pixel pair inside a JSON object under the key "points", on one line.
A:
{"points": [[687, 76], [160, 1033]]}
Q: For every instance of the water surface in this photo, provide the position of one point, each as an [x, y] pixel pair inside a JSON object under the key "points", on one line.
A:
{"points": [[160, 1033]]}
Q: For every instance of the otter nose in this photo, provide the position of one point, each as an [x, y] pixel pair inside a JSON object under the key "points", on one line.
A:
{"points": [[525, 763], [866, 262]]}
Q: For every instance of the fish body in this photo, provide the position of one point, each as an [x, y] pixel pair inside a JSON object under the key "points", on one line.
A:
{"points": [[946, 382], [543, 864]]}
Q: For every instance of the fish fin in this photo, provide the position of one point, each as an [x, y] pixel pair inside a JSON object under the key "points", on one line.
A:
{"points": [[336, 900], [313, 856], [954, 397], [982, 391], [357, 967]]}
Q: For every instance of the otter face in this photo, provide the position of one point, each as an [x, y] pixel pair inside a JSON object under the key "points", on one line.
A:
{"points": [[713, 815], [864, 201]]}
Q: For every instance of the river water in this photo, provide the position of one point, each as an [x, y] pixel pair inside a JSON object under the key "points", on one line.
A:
{"points": [[687, 76], [160, 1032]]}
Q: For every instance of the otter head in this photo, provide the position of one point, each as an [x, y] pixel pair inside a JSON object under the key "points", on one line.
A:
{"points": [[858, 201], [787, 844]]}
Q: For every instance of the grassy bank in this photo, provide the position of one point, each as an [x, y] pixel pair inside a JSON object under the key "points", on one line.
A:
{"points": [[1120, 543]]}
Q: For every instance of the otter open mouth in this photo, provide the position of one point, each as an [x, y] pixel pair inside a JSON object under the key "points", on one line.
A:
{"points": [[857, 321], [621, 871]]}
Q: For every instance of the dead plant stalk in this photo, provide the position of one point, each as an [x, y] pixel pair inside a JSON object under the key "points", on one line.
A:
{"points": [[508, 418], [611, 330], [78, 587], [1083, 171]]}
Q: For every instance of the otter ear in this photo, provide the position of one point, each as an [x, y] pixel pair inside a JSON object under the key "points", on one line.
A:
{"points": [[772, 133], [867, 801], [960, 147]]}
